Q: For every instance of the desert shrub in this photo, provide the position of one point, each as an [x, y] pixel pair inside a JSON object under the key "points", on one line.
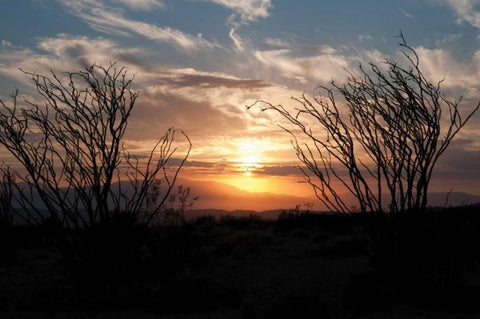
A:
{"points": [[173, 208], [292, 219], [379, 135], [78, 181]]}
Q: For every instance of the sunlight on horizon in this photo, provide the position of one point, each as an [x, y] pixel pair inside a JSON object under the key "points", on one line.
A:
{"points": [[256, 183], [249, 161]]}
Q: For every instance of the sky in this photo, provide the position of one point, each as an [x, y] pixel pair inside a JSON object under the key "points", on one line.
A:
{"points": [[198, 63]]}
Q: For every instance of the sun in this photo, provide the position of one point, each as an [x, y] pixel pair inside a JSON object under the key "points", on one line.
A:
{"points": [[249, 161]]}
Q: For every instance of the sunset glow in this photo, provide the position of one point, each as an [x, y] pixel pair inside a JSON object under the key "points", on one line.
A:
{"points": [[250, 160], [239, 159], [198, 64]]}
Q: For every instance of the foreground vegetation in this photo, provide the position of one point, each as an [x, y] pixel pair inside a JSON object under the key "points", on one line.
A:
{"points": [[299, 266]]}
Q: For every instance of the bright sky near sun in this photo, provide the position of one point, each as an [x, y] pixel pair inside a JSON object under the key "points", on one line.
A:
{"points": [[198, 63]]}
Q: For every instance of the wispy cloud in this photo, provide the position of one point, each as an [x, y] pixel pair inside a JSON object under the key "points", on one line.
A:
{"points": [[364, 37], [61, 53], [466, 10], [6, 44], [245, 12], [209, 106], [318, 49], [66, 46], [459, 77], [248, 10], [449, 39], [238, 41], [324, 65], [407, 14], [143, 5], [183, 78], [112, 20], [277, 42]]}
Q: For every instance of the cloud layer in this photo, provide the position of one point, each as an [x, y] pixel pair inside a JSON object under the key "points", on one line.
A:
{"points": [[202, 82], [105, 18]]}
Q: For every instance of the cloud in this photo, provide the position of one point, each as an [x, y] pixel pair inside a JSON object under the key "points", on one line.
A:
{"points": [[277, 42], [233, 93], [407, 14], [205, 122], [449, 39], [112, 21], [143, 5], [459, 77], [304, 69], [318, 49], [62, 53], [238, 41], [208, 105], [245, 12], [364, 37], [455, 167], [181, 78], [66, 46], [319, 64], [248, 10], [466, 10], [6, 44], [280, 171]]}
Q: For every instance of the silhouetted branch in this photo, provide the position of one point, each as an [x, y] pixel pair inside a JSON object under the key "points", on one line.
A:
{"points": [[388, 133], [7, 180], [71, 147]]}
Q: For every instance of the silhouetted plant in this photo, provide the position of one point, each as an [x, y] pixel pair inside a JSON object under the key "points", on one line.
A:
{"points": [[386, 136], [291, 219], [7, 180], [379, 136], [175, 206], [71, 147], [6, 215]]}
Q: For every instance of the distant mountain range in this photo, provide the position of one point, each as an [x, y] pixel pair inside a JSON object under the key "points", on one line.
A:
{"points": [[225, 197], [222, 197], [242, 200]]}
